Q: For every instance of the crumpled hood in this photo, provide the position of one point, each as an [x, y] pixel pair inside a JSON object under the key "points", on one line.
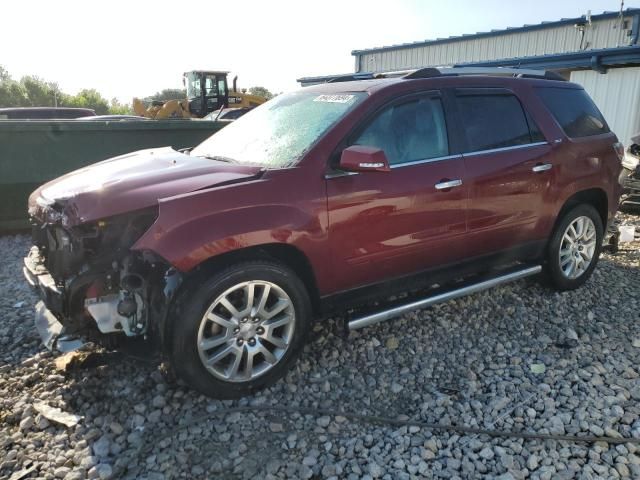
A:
{"points": [[131, 182]]}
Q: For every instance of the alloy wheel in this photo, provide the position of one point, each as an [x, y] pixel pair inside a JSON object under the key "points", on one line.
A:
{"points": [[577, 247], [246, 331]]}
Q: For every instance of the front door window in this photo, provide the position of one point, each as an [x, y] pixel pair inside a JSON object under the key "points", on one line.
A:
{"points": [[408, 132]]}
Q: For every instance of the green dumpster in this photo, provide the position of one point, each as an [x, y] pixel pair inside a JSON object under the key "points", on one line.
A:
{"points": [[33, 152]]}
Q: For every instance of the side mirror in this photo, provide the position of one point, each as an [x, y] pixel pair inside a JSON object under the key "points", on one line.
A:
{"points": [[359, 158]]}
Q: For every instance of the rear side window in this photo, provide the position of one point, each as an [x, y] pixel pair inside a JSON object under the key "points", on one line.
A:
{"points": [[408, 132], [495, 121], [574, 111]]}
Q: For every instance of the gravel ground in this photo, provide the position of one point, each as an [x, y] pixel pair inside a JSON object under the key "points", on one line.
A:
{"points": [[515, 358]]}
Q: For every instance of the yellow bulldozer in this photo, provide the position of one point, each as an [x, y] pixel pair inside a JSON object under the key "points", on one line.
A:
{"points": [[207, 91]]}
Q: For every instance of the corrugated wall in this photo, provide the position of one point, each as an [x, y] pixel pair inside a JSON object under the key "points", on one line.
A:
{"points": [[603, 33], [617, 94]]}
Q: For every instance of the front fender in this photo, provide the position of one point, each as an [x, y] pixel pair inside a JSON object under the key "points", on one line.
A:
{"points": [[193, 228]]}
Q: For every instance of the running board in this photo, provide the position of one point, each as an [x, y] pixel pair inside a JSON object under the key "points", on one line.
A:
{"points": [[383, 315]]}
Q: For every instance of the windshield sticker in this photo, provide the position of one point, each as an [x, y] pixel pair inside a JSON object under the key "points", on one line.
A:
{"points": [[334, 98]]}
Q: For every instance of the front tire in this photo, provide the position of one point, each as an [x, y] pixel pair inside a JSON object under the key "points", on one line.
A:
{"points": [[241, 330], [574, 248]]}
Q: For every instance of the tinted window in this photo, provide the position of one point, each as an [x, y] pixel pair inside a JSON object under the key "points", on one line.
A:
{"points": [[493, 121], [574, 110], [536, 134], [410, 131]]}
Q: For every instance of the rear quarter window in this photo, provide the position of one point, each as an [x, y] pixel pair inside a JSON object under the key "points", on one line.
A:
{"points": [[574, 110]]}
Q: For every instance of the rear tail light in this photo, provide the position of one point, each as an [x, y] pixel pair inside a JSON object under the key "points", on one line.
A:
{"points": [[619, 149]]}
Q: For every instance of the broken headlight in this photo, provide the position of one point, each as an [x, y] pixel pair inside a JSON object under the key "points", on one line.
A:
{"points": [[119, 232]]}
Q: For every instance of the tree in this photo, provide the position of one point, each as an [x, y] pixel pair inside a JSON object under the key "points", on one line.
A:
{"points": [[88, 98], [32, 91], [169, 94], [12, 94], [117, 108], [39, 93], [261, 92], [4, 74]]}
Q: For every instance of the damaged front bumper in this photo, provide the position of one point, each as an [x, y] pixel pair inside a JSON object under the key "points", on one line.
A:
{"points": [[39, 277], [129, 299], [51, 331]]}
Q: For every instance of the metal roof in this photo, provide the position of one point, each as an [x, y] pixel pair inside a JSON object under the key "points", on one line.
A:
{"points": [[592, 59], [506, 31], [597, 60]]}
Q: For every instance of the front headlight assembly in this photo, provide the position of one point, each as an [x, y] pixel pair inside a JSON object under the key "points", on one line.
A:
{"points": [[119, 232]]}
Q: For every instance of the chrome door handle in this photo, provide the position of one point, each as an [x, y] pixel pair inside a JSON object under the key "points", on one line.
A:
{"points": [[543, 167], [448, 184]]}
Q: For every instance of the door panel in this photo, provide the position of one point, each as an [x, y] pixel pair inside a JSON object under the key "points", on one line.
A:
{"points": [[507, 198], [385, 225], [509, 170]]}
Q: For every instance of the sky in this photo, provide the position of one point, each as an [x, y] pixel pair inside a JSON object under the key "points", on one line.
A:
{"points": [[137, 47]]}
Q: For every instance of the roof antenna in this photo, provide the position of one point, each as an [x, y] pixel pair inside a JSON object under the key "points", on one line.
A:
{"points": [[621, 16]]}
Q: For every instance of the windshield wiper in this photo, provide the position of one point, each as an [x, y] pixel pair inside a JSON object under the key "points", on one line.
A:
{"points": [[219, 158]]}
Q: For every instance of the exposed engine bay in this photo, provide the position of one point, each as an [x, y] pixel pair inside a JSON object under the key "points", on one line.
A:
{"points": [[93, 283]]}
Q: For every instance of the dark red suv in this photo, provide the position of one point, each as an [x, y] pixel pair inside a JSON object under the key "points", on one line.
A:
{"points": [[322, 200]]}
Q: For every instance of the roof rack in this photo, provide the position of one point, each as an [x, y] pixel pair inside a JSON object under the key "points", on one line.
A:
{"points": [[369, 76], [349, 78], [430, 72]]}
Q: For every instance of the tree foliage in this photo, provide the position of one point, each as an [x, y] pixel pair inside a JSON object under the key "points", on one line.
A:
{"points": [[39, 93], [169, 94], [87, 98], [4, 74], [12, 94], [117, 108], [32, 91], [261, 92]]}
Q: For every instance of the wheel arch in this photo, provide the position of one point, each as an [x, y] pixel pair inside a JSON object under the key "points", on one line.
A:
{"points": [[596, 197], [285, 254]]}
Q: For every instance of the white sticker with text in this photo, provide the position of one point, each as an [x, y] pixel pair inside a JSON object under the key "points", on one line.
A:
{"points": [[334, 98]]}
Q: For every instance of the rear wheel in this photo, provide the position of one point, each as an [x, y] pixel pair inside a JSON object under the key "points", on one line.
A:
{"points": [[574, 248], [241, 330]]}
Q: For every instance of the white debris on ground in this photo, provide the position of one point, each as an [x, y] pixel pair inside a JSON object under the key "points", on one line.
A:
{"points": [[516, 358]]}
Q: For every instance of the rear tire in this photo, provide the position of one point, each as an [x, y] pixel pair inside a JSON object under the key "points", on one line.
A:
{"points": [[241, 330], [574, 248]]}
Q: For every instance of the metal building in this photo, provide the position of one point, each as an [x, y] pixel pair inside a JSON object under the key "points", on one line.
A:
{"points": [[601, 52]]}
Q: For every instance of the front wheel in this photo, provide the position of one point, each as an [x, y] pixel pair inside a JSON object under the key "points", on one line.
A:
{"points": [[574, 249], [241, 330]]}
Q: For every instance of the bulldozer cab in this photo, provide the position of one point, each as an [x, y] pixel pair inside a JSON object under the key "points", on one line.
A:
{"points": [[207, 91]]}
